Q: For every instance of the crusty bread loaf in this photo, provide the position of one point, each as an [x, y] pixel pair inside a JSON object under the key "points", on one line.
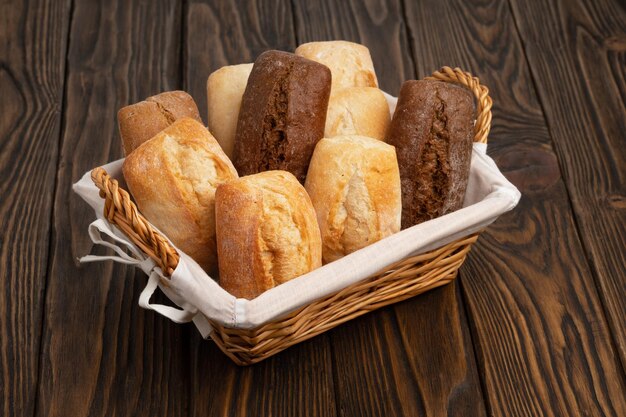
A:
{"points": [[282, 114], [267, 233], [432, 131], [225, 88], [350, 63], [357, 111], [173, 178], [354, 184], [141, 121]]}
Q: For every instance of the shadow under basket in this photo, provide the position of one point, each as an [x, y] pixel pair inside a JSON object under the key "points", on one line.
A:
{"points": [[399, 281]]}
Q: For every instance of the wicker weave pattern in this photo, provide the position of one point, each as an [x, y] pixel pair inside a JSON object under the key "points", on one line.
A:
{"points": [[122, 212], [405, 279]]}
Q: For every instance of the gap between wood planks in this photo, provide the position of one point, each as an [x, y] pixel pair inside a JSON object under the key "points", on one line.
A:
{"points": [[50, 255]]}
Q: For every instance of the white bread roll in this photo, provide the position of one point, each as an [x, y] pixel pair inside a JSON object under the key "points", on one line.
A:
{"points": [[225, 88], [267, 233], [350, 63], [173, 178], [357, 111], [354, 184]]}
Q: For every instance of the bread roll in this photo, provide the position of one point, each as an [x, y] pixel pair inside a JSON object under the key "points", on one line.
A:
{"points": [[173, 178], [357, 111], [225, 88], [141, 121], [354, 184], [350, 63], [432, 130], [282, 114], [266, 233]]}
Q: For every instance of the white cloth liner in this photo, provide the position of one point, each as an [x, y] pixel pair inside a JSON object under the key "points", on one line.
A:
{"points": [[488, 195]]}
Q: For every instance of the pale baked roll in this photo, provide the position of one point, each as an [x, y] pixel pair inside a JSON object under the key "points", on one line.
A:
{"points": [[350, 63], [141, 121], [225, 88], [173, 178], [357, 111], [267, 233], [354, 185]]}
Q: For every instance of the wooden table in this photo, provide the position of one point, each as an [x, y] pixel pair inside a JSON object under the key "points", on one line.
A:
{"points": [[534, 326]]}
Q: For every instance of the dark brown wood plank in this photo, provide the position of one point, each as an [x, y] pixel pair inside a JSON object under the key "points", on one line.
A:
{"points": [[377, 24], [373, 374], [299, 381], [32, 66], [580, 73], [440, 353], [543, 344], [415, 358], [412, 359], [101, 354], [296, 382], [231, 32]]}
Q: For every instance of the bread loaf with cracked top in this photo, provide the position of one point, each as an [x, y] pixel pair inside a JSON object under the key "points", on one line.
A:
{"points": [[357, 111], [354, 184], [432, 129], [267, 233], [173, 178], [141, 121], [350, 63], [282, 114]]}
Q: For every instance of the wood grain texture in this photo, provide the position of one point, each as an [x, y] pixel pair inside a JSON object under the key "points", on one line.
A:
{"points": [[32, 58], [580, 73], [543, 344], [231, 32], [101, 354], [437, 342], [296, 382], [412, 359], [416, 358], [372, 368], [378, 24], [543, 291]]}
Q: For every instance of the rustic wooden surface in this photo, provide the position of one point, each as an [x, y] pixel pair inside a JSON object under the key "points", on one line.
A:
{"points": [[535, 324]]}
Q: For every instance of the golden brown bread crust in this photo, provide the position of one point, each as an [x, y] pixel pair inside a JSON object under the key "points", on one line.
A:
{"points": [[350, 63], [354, 184], [282, 114], [225, 89], [173, 178], [432, 131], [141, 121], [267, 233], [357, 111]]}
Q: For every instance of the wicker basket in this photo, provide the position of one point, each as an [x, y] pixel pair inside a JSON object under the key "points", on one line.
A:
{"points": [[399, 281]]}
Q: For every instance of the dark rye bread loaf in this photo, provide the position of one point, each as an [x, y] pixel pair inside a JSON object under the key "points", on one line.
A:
{"points": [[432, 131], [282, 115]]}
